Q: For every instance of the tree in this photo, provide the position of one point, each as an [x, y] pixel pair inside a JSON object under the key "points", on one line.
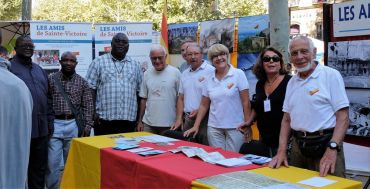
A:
{"points": [[145, 10], [10, 10]]}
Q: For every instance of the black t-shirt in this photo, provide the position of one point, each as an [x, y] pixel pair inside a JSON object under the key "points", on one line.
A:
{"points": [[269, 123]]}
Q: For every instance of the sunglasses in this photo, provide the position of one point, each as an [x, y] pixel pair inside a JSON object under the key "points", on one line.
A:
{"points": [[273, 58]]}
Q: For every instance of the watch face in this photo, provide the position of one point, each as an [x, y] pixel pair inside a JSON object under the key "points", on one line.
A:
{"points": [[333, 145]]}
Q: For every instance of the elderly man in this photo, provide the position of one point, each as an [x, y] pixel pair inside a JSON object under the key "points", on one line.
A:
{"points": [[192, 82], [316, 109], [159, 94], [67, 81], [15, 126], [184, 46], [42, 116], [116, 80]]}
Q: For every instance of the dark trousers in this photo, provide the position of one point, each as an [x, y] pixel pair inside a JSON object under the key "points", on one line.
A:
{"points": [[38, 162], [106, 127], [258, 148]]}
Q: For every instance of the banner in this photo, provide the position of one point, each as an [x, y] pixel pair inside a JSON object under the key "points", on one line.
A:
{"points": [[53, 39], [178, 33], [351, 18], [139, 35], [253, 35]]}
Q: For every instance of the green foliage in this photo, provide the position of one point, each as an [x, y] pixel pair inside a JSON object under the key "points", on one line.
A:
{"points": [[144, 10], [10, 9]]}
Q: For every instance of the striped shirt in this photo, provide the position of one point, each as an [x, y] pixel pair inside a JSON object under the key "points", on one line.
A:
{"points": [[117, 83], [78, 92]]}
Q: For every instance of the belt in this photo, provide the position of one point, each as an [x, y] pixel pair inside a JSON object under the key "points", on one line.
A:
{"points": [[304, 134], [65, 116]]}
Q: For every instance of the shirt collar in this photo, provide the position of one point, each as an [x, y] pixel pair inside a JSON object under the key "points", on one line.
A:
{"points": [[126, 59], [230, 73], [201, 67]]}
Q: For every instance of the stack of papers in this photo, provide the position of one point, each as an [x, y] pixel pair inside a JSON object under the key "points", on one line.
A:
{"points": [[156, 139], [125, 146], [233, 162], [260, 160]]}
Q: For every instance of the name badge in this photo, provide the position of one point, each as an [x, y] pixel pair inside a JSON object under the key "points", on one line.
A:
{"points": [[267, 105]]}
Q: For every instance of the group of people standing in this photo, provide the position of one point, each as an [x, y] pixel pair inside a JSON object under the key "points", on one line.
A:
{"points": [[207, 100]]}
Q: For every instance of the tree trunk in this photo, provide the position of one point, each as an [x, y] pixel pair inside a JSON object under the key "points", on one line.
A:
{"points": [[279, 26]]}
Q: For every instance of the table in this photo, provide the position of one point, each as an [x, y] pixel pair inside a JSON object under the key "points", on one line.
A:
{"points": [[93, 164]]}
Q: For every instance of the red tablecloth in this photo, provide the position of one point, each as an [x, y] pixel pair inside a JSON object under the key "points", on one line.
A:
{"points": [[122, 169]]}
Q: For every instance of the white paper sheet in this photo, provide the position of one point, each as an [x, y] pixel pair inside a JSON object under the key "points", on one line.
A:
{"points": [[317, 181]]}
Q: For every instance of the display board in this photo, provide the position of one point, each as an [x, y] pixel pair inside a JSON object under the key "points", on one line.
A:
{"points": [[139, 35], [51, 39], [349, 53], [253, 37], [178, 33]]}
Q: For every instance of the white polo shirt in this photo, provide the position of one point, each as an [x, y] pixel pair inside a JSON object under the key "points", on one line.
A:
{"points": [[160, 88], [226, 110], [192, 83], [312, 102]]}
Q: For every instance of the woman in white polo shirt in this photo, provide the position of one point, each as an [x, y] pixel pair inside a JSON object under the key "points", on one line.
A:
{"points": [[227, 98]]}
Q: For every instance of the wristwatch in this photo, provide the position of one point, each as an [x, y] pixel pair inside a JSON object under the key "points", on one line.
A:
{"points": [[334, 146]]}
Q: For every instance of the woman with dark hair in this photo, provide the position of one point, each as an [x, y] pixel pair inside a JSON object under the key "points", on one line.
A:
{"points": [[267, 106]]}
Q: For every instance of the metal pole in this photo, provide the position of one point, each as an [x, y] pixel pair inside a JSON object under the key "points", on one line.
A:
{"points": [[279, 26], [26, 9]]}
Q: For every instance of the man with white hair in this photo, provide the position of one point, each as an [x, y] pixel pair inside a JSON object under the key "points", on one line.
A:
{"points": [[159, 94], [316, 110]]}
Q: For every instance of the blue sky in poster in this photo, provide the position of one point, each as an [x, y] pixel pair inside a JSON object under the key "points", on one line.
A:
{"points": [[251, 25]]}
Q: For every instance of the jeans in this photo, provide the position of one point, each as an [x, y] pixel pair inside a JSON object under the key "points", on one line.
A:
{"points": [[64, 131]]}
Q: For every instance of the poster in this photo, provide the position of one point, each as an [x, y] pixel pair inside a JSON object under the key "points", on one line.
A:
{"points": [[359, 113], [178, 33], [139, 35], [52, 39], [351, 18], [352, 60], [217, 31], [253, 37]]}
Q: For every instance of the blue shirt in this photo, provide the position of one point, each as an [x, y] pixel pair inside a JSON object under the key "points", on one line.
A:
{"points": [[116, 83], [37, 82]]}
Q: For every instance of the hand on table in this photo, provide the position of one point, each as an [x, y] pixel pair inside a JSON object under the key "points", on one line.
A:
{"points": [[328, 161], [176, 125], [193, 130], [140, 126], [279, 159]]}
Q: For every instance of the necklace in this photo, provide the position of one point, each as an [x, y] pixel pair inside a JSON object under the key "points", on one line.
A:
{"points": [[273, 80], [119, 71]]}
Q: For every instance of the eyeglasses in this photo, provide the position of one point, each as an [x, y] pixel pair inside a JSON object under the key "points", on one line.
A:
{"points": [[27, 47], [273, 58], [68, 60], [192, 54], [217, 55], [154, 58], [302, 51]]}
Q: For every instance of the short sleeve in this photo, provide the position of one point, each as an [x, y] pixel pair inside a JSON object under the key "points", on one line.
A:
{"points": [[92, 74], [143, 88], [338, 93], [205, 89], [242, 81]]}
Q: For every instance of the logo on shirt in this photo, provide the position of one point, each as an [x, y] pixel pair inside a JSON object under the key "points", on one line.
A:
{"points": [[314, 91], [230, 85], [201, 79]]}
